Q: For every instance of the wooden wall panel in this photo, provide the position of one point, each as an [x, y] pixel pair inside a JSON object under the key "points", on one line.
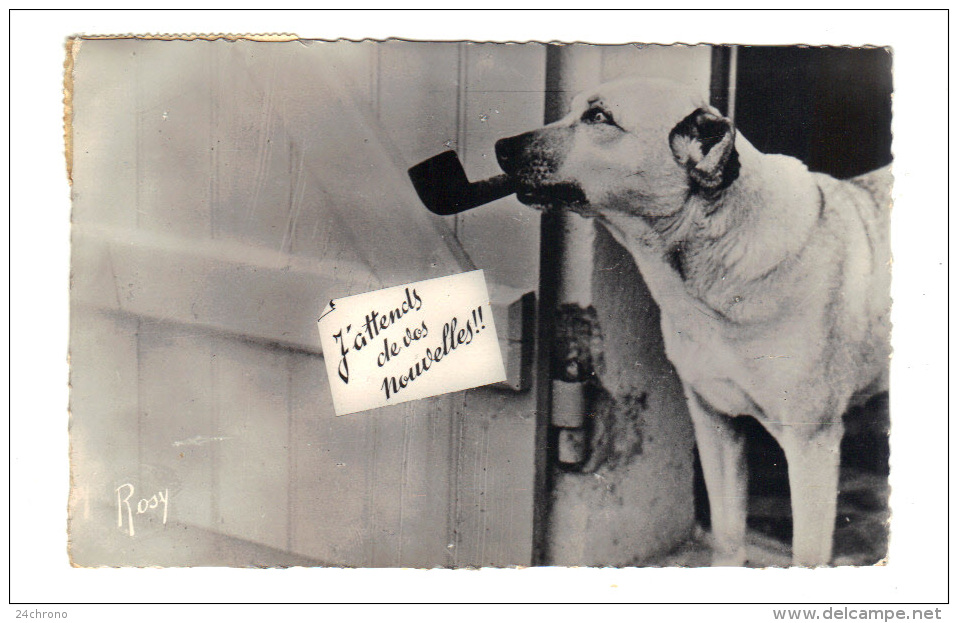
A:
{"points": [[418, 97], [365, 190], [356, 67], [347, 476], [317, 233], [503, 96], [176, 413], [104, 431], [328, 479], [370, 489], [427, 494], [105, 136], [247, 291], [251, 451], [175, 148], [494, 446], [257, 179], [252, 184]]}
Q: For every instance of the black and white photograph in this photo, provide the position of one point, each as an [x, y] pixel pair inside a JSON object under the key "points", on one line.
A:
{"points": [[687, 253], [485, 318]]}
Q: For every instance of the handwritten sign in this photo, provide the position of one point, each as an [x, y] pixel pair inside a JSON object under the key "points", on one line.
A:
{"points": [[409, 342]]}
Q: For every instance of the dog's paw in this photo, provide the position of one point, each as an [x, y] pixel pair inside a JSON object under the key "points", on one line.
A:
{"points": [[704, 143]]}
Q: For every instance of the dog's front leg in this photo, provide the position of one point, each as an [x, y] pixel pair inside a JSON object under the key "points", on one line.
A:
{"points": [[722, 451], [813, 465]]}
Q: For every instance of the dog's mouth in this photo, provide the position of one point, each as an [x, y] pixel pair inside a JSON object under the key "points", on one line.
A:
{"points": [[551, 196]]}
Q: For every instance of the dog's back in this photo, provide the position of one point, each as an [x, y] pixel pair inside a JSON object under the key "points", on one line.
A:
{"points": [[862, 210]]}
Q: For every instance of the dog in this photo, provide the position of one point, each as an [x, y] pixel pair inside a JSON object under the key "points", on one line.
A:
{"points": [[773, 282]]}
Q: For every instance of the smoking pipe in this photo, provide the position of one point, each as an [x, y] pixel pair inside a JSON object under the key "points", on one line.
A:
{"points": [[443, 187]]}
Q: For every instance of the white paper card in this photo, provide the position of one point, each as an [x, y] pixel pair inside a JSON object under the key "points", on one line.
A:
{"points": [[408, 342]]}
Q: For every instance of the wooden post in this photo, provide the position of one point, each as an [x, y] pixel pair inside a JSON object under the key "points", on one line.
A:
{"points": [[565, 278]]}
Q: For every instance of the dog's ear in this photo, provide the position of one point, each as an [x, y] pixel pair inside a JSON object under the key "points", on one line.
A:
{"points": [[704, 143]]}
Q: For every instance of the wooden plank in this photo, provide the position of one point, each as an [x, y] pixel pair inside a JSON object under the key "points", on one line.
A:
{"points": [[514, 314], [176, 404], [280, 205], [494, 446], [251, 451], [171, 279], [174, 112], [343, 153], [220, 285], [347, 476], [104, 134], [356, 66], [418, 96], [103, 397], [374, 489], [503, 96], [427, 477], [369, 489], [104, 449], [328, 470], [256, 186]]}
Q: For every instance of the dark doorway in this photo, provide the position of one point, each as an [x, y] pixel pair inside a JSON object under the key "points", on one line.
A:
{"points": [[828, 107]]}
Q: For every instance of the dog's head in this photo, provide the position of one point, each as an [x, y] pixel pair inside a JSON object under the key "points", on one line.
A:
{"points": [[632, 147]]}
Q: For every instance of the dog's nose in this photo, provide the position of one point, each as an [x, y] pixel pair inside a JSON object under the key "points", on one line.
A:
{"points": [[508, 150], [504, 153]]}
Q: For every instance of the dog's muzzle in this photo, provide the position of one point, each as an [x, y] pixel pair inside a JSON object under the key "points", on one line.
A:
{"points": [[531, 163]]}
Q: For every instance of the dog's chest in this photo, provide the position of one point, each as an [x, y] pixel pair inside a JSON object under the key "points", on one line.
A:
{"points": [[706, 359], [738, 367]]}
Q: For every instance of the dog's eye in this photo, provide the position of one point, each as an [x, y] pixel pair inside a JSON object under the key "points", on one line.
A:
{"points": [[597, 116]]}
